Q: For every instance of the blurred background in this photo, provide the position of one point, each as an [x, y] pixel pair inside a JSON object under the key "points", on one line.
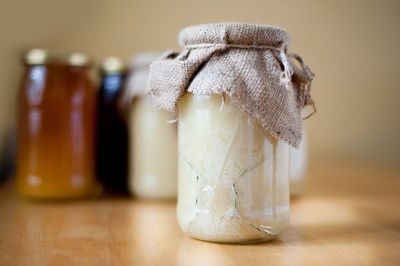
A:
{"points": [[352, 46]]}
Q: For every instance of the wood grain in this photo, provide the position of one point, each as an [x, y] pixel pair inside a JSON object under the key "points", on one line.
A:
{"points": [[349, 216]]}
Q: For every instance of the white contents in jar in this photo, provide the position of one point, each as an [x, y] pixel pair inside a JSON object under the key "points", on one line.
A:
{"points": [[233, 183], [153, 151]]}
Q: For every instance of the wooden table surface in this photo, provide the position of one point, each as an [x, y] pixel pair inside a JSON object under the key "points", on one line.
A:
{"points": [[349, 216]]}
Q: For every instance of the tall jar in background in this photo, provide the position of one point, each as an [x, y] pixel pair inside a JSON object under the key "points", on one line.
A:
{"points": [[237, 94], [112, 141], [56, 128], [153, 139]]}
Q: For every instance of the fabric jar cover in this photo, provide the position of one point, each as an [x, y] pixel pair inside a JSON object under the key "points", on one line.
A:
{"points": [[247, 62]]}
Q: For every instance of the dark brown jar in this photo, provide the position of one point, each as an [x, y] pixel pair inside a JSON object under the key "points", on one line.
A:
{"points": [[56, 128], [112, 142]]}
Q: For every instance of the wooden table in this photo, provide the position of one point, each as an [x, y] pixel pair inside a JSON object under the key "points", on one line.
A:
{"points": [[349, 216]]}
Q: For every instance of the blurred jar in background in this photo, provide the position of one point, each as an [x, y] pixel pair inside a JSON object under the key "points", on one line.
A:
{"points": [[297, 167], [153, 141], [112, 144], [7, 155], [56, 128]]}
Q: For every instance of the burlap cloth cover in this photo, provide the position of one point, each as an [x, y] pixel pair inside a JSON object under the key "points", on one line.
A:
{"points": [[249, 63]]}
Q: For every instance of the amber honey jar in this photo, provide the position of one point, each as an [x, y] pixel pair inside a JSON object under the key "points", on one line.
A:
{"points": [[56, 128]]}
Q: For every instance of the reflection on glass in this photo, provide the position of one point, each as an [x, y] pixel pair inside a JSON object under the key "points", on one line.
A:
{"points": [[37, 82]]}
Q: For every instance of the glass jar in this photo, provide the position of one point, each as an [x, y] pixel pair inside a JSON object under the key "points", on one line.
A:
{"points": [[233, 184], [153, 151], [112, 141], [56, 128]]}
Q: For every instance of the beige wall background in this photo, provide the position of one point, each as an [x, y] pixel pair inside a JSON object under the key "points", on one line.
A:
{"points": [[352, 46]]}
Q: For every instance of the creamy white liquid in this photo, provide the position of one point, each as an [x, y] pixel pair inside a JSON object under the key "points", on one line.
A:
{"points": [[233, 183], [153, 151], [297, 169]]}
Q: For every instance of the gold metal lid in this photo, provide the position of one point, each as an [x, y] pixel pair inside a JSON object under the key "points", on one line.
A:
{"points": [[36, 57], [112, 64], [78, 59]]}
